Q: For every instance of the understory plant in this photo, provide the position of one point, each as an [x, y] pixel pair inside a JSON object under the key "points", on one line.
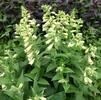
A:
{"points": [[56, 65]]}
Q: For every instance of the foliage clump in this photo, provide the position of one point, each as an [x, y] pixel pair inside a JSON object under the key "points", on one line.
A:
{"points": [[27, 30], [59, 64]]}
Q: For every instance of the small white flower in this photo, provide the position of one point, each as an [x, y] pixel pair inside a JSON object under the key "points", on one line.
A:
{"points": [[87, 80], [90, 71], [70, 44], [42, 98], [4, 87], [31, 61], [56, 39], [87, 50], [48, 41], [27, 49], [2, 74], [15, 55], [50, 47], [20, 85], [90, 61], [34, 37], [30, 55], [29, 99]]}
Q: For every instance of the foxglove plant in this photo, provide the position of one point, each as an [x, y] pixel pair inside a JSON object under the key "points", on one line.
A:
{"points": [[27, 30], [66, 45], [59, 62]]}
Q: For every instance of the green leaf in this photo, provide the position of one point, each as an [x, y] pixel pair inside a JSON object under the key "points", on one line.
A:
{"points": [[20, 79], [57, 96], [5, 80], [14, 93], [43, 81], [72, 89], [66, 87], [32, 74], [98, 75], [51, 67], [5, 97], [79, 96], [67, 70], [58, 76]]}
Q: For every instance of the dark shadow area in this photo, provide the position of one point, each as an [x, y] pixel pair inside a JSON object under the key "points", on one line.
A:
{"points": [[10, 13]]}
